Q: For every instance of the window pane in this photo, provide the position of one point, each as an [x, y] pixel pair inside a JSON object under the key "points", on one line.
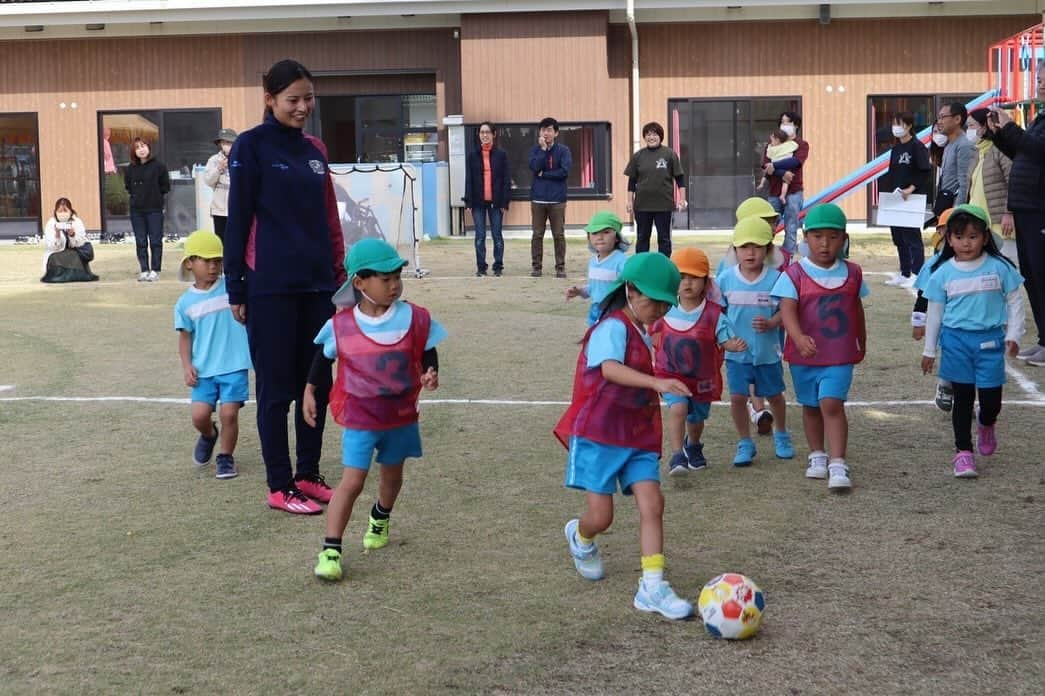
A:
{"points": [[19, 176]]}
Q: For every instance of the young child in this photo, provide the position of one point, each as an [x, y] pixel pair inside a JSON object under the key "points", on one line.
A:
{"points": [[944, 394], [215, 356], [974, 294], [687, 346], [746, 285], [385, 351], [821, 309], [608, 258], [612, 428], [780, 147]]}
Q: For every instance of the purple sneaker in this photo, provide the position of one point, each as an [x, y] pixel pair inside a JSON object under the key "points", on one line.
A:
{"points": [[986, 441], [964, 465]]}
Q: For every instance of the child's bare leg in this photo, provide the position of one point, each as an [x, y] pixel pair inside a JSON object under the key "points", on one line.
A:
{"points": [[201, 418], [676, 423], [228, 414], [339, 510], [813, 424], [757, 402], [597, 516], [650, 502], [778, 407], [694, 431], [738, 409], [389, 485], [836, 424]]}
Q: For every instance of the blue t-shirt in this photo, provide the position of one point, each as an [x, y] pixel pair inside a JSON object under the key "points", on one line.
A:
{"points": [[601, 276], [682, 320], [744, 301], [387, 329], [830, 278], [973, 292], [922, 279], [609, 341], [219, 342]]}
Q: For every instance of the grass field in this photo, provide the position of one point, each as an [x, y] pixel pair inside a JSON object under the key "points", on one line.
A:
{"points": [[127, 571]]}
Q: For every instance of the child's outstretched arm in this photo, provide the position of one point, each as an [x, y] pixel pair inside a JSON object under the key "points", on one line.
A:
{"points": [[933, 321], [789, 317], [577, 291], [185, 353], [319, 381], [621, 374], [430, 369]]}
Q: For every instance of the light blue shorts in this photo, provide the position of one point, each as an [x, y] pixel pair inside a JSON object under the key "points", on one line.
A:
{"points": [[599, 468], [816, 382], [696, 411], [768, 379], [229, 388], [393, 446], [973, 357]]}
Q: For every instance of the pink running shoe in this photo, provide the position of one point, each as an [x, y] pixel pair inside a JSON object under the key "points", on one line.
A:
{"points": [[292, 501], [315, 487], [964, 465], [986, 441]]}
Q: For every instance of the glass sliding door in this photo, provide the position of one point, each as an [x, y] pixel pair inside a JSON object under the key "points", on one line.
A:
{"points": [[720, 143], [19, 176]]}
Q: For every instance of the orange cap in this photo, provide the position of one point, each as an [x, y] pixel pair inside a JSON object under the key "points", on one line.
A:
{"points": [[692, 261], [944, 217]]}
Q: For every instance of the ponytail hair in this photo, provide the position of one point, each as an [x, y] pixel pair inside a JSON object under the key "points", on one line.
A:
{"points": [[282, 75]]}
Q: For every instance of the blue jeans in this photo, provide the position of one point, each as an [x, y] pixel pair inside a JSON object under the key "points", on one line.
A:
{"points": [[789, 216], [148, 236], [479, 218]]}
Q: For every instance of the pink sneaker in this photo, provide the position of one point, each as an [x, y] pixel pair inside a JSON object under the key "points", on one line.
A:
{"points": [[964, 465], [316, 488], [986, 442], [294, 502]]}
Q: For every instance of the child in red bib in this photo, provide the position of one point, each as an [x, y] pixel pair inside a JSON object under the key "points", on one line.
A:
{"points": [[385, 351], [612, 428]]}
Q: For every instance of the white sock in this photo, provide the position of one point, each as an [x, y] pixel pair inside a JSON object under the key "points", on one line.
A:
{"points": [[652, 578], [836, 461], [818, 454]]}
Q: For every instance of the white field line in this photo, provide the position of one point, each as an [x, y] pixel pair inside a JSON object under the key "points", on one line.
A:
{"points": [[476, 402], [6, 387]]}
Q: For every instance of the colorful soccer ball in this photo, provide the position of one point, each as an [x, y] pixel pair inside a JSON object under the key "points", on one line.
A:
{"points": [[731, 606]]}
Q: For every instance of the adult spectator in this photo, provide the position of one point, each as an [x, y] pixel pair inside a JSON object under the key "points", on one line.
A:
{"points": [[909, 170], [958, 156], [989, 175], [1026, 148], [653, 174], [283, 260], [69, 254], [788, 170], [216, 175], [487, 190], [148, 183], [550, 163]]}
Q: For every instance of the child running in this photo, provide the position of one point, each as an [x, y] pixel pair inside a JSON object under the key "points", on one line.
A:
{"points": [[215, 357], [821, 309], [612, 428], [974, 294], [687, 346], [385, 351], [746, 285], [607, 259]]}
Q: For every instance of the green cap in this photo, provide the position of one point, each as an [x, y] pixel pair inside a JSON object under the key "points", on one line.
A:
{"points": [[367, 255], [826, 216], [653, 274], [203, 244], [974, 210], [752, 230], [755, 206], [604, 220]]}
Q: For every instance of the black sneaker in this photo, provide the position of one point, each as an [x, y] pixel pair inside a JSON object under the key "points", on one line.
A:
{"points": [[944, 397], [497, 272], [480, 274], [204, 449], [225, 467], [535, 274], [560, 274]]}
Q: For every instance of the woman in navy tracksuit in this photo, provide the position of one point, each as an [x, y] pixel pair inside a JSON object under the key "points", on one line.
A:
{"points": [[283, 254]]}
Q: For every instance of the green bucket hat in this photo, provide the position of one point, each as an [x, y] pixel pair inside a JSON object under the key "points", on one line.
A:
{"points": [[826, 216], [653, 274], [367, 255], [604, 220], [755, 206]]}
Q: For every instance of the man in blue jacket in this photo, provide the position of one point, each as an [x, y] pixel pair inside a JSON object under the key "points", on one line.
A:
{"points": [[550, 163]]}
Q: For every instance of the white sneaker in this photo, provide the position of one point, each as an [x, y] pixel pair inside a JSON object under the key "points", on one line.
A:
{"points": [[897, 279], [662, 600], [588, 562], [143, 277], [906, 282], [1029, 352], [1037, 359], [153, 276], [839, 478], [817, 468]]}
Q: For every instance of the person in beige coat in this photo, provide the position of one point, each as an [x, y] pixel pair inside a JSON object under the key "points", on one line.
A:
{"points": [[216, 175], [989, 180]]}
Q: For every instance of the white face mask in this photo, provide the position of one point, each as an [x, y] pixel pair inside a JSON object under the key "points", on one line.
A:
{"points": [[63, 217], [899, 131], [940, 139], [226, 149], [973, 135], [788, 128]]}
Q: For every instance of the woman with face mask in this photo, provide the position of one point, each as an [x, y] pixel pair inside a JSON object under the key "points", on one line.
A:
{"points": [[216, 175], [68, 251], [989, 179], [909, 169]]}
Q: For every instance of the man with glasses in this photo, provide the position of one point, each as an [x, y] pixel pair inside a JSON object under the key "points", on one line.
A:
{"points": [[958, 154]]}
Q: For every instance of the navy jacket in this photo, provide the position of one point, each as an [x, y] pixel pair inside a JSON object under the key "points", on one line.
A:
{"points": [[500, 179], [147, 183], [283, 233], [550, 170], [1026, 149]]}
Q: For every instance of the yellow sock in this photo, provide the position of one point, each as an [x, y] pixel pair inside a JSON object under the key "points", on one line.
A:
{"points": [[653, 569], [583, 540]]}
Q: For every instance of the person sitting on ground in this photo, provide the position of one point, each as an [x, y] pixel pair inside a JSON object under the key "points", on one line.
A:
{"points": [[68, 251]]}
